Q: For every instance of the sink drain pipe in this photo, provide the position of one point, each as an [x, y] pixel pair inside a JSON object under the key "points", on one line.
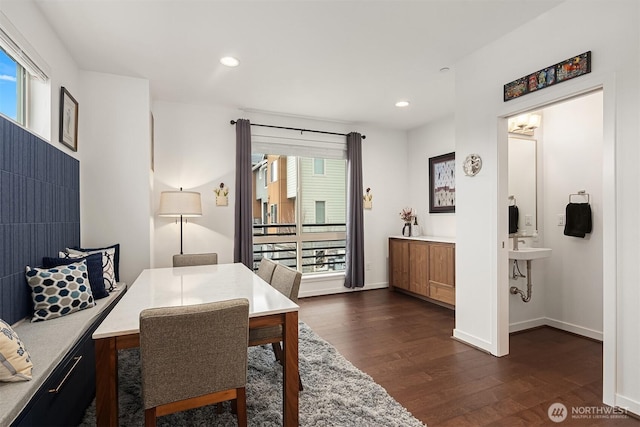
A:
{"points": [[514, 290]]}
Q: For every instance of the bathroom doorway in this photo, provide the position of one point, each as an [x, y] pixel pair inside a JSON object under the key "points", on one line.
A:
{"points": [[566, 287]]}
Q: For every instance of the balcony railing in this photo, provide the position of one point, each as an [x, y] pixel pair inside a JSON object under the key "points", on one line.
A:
{"points": [[318, 253]]}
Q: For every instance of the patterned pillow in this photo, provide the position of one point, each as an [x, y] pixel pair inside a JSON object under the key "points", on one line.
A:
{"points": [[108, 264], [59, 291], [94, 271], [15, 361], [116, 258]]}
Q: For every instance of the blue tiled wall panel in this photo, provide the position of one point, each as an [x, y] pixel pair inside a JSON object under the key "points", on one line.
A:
{"points": [[39, 211]]}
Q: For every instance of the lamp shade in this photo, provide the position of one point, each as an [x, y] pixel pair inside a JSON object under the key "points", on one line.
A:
{"points": [[180, 203]]}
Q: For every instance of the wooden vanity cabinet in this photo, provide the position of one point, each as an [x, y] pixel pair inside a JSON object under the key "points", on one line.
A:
{"points": [[442, 272], [423, 268], [399, 263]]}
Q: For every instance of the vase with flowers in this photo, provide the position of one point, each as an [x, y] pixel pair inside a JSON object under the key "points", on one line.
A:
{"points": [[407, 215]]}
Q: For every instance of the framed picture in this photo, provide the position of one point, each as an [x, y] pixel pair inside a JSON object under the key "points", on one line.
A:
{"points": [[442, 183], [558, 73], [68, 128]]}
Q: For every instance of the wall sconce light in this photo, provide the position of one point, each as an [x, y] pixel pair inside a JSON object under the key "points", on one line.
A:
{"points": [[222, 194], [524, 124], [182, 204], [367, 199]]}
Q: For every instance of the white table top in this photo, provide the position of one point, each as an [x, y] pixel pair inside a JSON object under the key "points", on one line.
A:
{"points": [[168, 287]]}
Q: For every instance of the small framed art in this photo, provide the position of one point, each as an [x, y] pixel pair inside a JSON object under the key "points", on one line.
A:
{"points": [[442, 183], [68, 128]]}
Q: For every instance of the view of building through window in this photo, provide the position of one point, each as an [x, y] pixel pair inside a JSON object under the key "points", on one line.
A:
{"points": [[299, 217]]}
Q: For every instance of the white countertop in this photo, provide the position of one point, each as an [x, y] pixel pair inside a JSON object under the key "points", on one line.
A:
{"points": [[167, 287], [440, 239]]}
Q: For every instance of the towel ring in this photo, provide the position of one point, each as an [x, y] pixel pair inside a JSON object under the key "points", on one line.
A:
{"points": [[580, 193]]}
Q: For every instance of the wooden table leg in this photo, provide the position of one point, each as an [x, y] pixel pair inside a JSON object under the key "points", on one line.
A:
{"points": [[106, 382], [290, 369]]}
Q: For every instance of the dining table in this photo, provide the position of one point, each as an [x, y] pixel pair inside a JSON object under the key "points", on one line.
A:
{"points": [[180, 286]]}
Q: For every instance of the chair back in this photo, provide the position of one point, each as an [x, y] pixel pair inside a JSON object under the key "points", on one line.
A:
{"points": [[265, 269], [187, 260], [287, 281], [190, 351]]}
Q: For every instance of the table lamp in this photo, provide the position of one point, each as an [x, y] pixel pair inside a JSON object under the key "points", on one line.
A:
{"points": [[183, 204]]}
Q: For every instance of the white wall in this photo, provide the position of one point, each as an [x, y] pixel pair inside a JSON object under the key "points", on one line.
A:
{"points": [[114, 172], [573, 162], [113, 141], [195, 149], [26, 18], [430, 140], [610, 31]]}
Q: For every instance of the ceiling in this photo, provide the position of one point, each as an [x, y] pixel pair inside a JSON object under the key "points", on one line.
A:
{"points": [[345, 61]]}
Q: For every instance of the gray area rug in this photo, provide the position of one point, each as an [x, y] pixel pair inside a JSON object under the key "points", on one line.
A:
{"points": [[335, 392]]}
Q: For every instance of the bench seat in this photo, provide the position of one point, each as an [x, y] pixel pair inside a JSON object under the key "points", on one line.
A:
{"points": [[52, 344]]}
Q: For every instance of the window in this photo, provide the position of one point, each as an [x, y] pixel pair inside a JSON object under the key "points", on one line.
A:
{"points": [[265, 213], [24, 83], [307, 225], [318, 166], [274, 171], [320, 212], [13, 88]]}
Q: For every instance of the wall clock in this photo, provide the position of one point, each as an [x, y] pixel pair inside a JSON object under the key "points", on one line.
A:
{"points": [[472, 164]]}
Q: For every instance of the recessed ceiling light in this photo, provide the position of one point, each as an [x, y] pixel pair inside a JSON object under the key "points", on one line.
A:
{"points": [[402, 104], [444, 69], [229, 61]]}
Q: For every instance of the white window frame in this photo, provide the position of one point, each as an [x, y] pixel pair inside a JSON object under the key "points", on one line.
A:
{"points": [[324, 167], [302, 237], [324, 209]]}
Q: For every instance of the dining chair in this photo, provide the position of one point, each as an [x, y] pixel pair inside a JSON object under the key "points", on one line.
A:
{"points": [[265, 269], [187, 260], [287, 281], [193, 356]]}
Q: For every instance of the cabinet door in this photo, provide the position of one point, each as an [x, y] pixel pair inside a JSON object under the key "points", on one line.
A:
{"points": [[398, 263], [442, 272], [419, 268]]}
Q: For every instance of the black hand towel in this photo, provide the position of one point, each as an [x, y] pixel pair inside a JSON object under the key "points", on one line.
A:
{"points": [[513, 219], [577, 219]]}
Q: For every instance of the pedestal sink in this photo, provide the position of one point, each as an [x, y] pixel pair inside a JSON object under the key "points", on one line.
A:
{"points": [[527, 254]]}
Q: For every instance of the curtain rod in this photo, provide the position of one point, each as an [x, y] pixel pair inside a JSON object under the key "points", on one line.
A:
{"points": [[233, 122]]}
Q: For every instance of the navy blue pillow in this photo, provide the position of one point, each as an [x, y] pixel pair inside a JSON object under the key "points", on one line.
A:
{"points": [[94, 270], [116, 257]]}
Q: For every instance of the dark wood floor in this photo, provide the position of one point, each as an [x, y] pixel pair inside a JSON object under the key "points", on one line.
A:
{"points": [[405, 344]]}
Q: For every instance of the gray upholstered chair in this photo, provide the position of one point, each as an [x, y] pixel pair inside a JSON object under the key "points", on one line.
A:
{"points": [[265, 270], [187, 260], [193, 356], [287, 281]]}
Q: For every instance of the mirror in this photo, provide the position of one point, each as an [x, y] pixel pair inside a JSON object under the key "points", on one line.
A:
{"points": [[522, 182]]}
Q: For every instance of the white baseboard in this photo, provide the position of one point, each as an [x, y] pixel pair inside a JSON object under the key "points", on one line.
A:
{"points": [[314, 286], [628, 404], [558, 324], [471, 340], [527, 324]]}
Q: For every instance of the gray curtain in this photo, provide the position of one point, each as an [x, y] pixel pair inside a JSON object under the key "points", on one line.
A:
{"points": [[243, 235], [354, 277]]}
